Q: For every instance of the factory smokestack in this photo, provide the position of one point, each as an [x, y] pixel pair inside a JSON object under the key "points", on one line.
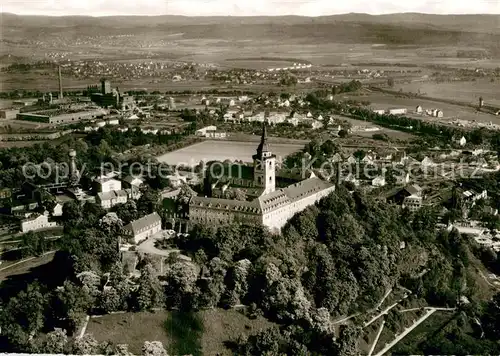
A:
{"points": [[60, 84]]}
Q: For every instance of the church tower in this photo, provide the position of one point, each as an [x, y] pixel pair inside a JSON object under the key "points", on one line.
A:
{"points": [[264, 165]]}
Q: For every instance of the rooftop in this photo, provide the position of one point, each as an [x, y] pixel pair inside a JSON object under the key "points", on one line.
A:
{"points": [[267, 202], [112, 194], [138, 225]]}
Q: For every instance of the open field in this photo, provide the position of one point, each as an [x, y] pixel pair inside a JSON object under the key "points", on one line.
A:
{"points": [[223, 150], [450, 111], [29, 82], [5, 103], [18, 144], [461, 91], [24, 266], [217, 326], [427, 329], [23, 124], [393, 134]]}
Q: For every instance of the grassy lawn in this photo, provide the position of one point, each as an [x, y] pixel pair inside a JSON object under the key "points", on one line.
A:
{"points": [[185, 330], [427, 329], [19, 267], [201, 333]]}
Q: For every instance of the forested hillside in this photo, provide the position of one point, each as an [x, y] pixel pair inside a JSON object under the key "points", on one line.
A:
{"points": [[336, 258]]}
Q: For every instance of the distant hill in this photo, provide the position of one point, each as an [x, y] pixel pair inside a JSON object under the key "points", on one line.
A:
{"points": [[464, 23], [395, 29]]}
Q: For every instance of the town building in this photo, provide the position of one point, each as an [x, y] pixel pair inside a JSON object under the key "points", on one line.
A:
{"points": [[106, 184], [132, 181], [403, 179], [461, 141], [410, 197], [419, 109], [378, 181], [143, 228], [36, 222], [58, 209], [210, 132], [427, 162], [149, 130], [108, 97], [317, 124], [263, 202], [109, 199], [470, 197], [9, 114], [398, 111], [57, 116], [24, 102], [412, 203]]}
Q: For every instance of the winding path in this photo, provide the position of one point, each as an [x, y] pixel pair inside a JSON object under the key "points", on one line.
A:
{"points": [[406, 332]]}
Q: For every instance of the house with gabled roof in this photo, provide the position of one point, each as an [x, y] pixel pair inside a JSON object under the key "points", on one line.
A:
{"points": [[143, 228], [35, 222], [427, 162]]}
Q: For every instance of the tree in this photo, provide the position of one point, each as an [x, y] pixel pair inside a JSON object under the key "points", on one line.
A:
{"points": [[149, 293], [236, 194], [322, 321], [148, 202], [54, 342], [47, 202], [33, 244], [343, 133], [359, 154], [127, 212], [185, 194], [90, 282], [153, 348], [329, 147], [390, 82], [86, 345], [23, 316], [390, 177], [122, 350], [289, 80], [110, 300], [111, 224], [348, 341], [72, 213], [71, 302], [180, 278], [200, 257], [241, 275]]}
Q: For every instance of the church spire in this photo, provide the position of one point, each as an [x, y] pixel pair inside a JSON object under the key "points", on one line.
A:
{"points": [[263, 147]]}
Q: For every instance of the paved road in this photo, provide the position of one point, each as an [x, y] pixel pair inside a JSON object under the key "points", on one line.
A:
{"points": [[148, 247]]}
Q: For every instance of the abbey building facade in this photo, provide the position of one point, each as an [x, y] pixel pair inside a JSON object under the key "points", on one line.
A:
{"points": [[255, 195]]}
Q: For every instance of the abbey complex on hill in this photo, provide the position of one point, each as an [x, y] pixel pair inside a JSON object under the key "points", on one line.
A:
{"points": [[260, 196]]}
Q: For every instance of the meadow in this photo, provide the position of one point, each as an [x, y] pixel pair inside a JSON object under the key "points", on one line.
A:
{"points": [[450, 111], [223, 150], [203, 333], [468, 92]]}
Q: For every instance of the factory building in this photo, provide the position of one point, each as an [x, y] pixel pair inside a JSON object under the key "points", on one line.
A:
{"points": [[110, 98], [8, 114], [61, 116]]}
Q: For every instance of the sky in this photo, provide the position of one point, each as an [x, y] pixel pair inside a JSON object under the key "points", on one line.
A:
{"points": [[245, 7]]}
